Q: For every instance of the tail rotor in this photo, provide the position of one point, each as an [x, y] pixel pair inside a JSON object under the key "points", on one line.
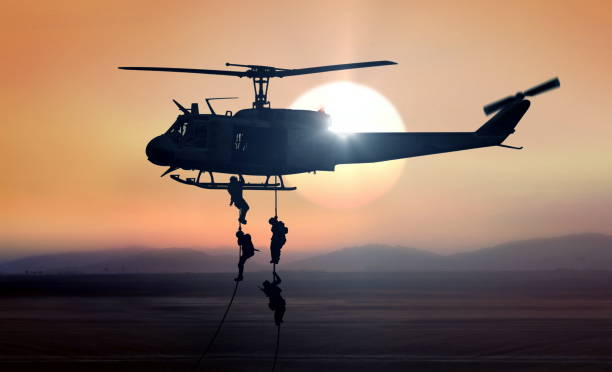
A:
{"points": [[538, 89]]}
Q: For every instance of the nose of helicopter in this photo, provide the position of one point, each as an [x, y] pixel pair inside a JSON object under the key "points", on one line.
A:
{"points": [[160, 150]]}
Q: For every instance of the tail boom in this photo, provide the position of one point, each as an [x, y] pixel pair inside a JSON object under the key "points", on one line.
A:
{"points": [[374, 147]]}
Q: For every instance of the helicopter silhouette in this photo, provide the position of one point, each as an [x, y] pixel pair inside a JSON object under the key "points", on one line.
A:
{"points": [[265, 141]]}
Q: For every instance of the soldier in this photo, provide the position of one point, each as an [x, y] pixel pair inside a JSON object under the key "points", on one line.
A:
{"points": [[279, 232], [277, 302], [247, 250], [235, 188]]}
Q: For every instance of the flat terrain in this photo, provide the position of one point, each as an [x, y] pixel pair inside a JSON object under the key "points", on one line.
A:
{"points": [[445, 321]]}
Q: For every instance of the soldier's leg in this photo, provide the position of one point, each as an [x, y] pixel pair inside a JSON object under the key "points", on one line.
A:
{"points": [[244, 208], [281, 244], [274, 252], [237, 205], [279, 312], [240, 268]]}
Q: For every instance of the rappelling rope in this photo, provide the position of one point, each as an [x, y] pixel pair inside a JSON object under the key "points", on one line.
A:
{"points": [[212, 340], [273, 272], [275, 200], [277, 345]]}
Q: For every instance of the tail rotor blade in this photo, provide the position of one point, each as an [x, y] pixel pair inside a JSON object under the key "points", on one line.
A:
{"points": [[538, 89], [497, 105], [551, 84]]}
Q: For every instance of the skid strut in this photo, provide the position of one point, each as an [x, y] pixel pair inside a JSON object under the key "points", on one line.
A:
{"points": [[212, 185]]}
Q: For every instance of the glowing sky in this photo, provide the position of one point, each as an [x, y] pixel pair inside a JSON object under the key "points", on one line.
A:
{"points": [[74, 127]]}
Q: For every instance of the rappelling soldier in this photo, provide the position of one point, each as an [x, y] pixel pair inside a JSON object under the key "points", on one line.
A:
{"points": [[247, 250], [277, 302], [235, 188], [279, 233]]}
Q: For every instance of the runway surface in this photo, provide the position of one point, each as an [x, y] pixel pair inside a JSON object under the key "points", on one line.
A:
{"points": [[554, 321]]}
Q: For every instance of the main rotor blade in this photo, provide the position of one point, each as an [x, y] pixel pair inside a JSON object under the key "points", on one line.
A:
{"points": [[345, 66], [188, 70], [550, 84]]}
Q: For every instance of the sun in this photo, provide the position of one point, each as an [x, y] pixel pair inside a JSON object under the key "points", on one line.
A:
{"points": [[352, 108]]}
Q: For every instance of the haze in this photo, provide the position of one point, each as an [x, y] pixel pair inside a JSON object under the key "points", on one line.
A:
{"points": [[75, 128]]}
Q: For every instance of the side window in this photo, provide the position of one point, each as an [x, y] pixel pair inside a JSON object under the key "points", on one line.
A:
{"points": [[240, 141]]}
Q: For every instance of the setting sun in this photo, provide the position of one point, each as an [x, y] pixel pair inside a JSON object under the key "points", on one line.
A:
{"points": [[352, 108]]}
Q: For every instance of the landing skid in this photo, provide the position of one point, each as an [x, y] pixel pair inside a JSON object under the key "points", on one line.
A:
{"points": [[223, 185]]}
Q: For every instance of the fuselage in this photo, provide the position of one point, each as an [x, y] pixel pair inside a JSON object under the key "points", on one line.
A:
{"points": [[282, 141], [252, 142]]}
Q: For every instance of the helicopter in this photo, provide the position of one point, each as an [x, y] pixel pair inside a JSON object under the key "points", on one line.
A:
{"points": [[266, 141]]}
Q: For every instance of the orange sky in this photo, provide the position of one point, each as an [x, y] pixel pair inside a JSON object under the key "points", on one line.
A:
{"points": [[75, 127]]}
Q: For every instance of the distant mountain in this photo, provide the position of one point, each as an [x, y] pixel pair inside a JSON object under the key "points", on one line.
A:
{"points": [[65, 262], [576, 252], [573, 252], [169, 260], [369, 258]]}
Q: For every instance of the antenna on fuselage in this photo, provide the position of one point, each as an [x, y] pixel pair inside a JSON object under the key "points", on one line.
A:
{"points": [[183, 110], [210, 99]]}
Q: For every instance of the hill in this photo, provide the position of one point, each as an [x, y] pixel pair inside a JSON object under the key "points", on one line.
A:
{"points": [[169, 260], [572, 252], [369, 258]]}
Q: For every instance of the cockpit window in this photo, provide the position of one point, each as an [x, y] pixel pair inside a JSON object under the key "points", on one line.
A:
{"points": [[182, 128], [179, 128], [189, 133]]}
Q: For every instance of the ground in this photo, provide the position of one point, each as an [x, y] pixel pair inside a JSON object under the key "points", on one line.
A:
{"points": [[439, 321]]}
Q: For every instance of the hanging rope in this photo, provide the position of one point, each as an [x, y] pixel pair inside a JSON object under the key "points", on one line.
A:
{"points": [[212, 340], [275, 200], [273, 272], [277, 345]]}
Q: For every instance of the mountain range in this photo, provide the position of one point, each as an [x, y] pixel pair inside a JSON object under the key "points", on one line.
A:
{"points": [[572, 252]]}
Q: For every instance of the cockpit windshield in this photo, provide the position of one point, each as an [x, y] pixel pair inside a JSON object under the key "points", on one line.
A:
{"points": [[179, 128], [189, 133]]}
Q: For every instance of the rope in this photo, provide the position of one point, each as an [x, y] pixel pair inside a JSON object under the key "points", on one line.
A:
{"points": [[274, 272], [278, 330], [276, 350], [212, 340], [275, 200]]}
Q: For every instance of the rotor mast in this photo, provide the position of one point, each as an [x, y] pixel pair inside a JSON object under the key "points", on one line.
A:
{"points": [[261, 80], [260, 86]]}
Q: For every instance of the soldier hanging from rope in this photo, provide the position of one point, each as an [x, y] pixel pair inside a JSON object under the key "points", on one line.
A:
{"points": [[279, 232], [235, 188], [277, 302], [247, 250]]}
